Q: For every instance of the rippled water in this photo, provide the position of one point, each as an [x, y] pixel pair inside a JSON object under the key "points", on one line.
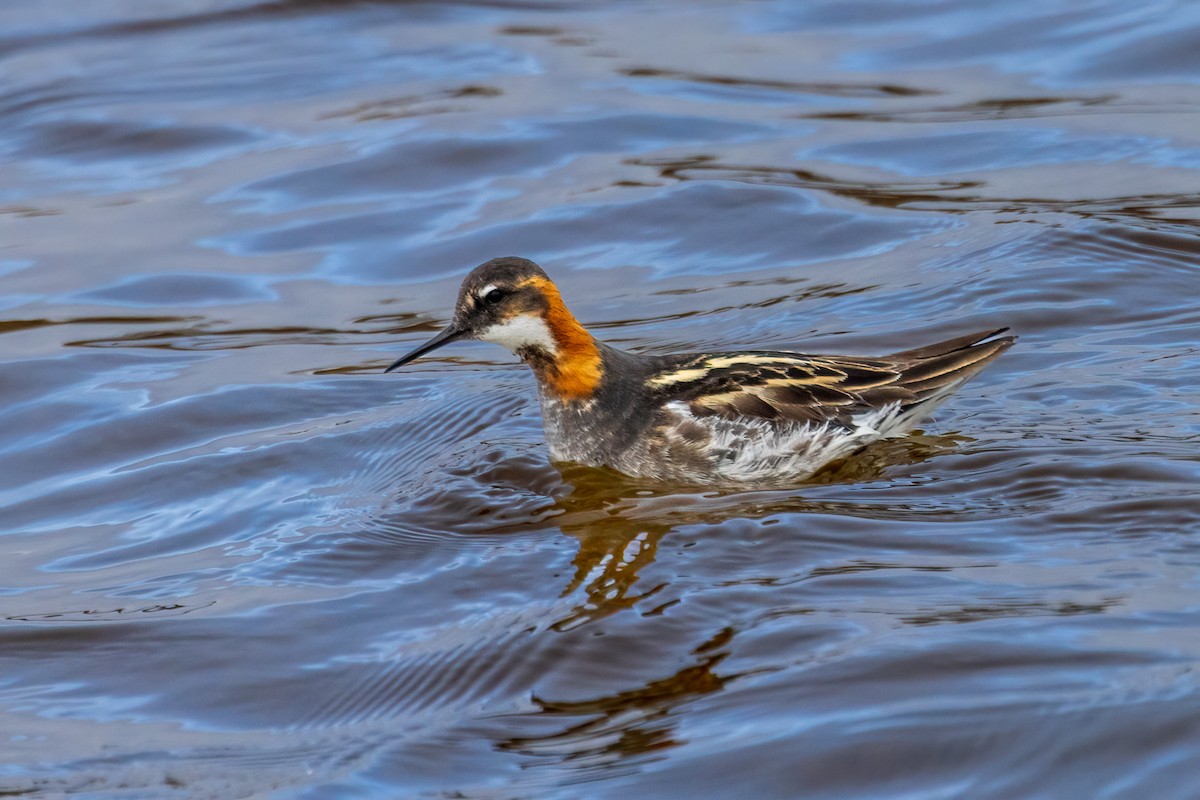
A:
{"points": [[240, 561]]}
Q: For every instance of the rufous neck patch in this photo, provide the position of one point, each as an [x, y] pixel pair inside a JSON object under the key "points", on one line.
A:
{"points": [[576, 369]]}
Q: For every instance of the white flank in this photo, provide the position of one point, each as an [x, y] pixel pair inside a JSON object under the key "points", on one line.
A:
{"points": [[522, 331], [750, 449]]}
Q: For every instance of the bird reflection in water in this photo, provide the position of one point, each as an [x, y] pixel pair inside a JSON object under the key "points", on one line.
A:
{"points": [[620, 521], [630, 723]]}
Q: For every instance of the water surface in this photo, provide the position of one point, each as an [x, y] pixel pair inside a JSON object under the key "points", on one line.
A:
{"points": [[240, 561]]}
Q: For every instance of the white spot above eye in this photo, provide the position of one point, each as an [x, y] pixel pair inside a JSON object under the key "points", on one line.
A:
{"points": [[519, 332], [482, 293]]}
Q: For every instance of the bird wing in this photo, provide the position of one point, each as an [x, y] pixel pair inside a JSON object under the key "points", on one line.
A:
{"points": [[817, 388]]}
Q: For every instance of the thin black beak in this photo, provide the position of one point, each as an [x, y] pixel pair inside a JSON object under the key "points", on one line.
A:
{"points": [[445, 337]]}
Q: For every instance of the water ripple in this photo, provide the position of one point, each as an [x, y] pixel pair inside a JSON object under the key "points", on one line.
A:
{"points": [[239, 560]]}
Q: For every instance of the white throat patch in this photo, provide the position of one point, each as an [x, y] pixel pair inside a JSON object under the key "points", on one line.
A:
{"points": [[523, 330]]}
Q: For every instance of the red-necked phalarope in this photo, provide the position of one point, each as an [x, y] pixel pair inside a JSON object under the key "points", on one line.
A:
{"points": [[740, 416]]}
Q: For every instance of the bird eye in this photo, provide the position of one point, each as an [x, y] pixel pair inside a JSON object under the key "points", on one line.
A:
{"points": [[493, 297]]}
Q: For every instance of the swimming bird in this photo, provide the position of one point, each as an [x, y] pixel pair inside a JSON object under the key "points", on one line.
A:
{"points": [[712, 417]]}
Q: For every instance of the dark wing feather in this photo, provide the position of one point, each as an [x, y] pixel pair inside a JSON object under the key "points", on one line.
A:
{"points": [[937, 368], [951, 346], [815, 388]]}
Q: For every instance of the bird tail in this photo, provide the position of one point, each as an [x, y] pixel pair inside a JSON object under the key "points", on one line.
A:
{"points": [[934, 372]]}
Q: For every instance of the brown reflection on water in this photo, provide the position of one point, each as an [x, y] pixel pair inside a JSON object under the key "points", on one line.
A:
{"points": [[946, 196], [909, 194], [121, 614], [997, 108], [206, 336], [795, 294], [1012, 608], [150, 24], [14, 325], [28, 212], [414, 105], [632, 723], [800, 87]]}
